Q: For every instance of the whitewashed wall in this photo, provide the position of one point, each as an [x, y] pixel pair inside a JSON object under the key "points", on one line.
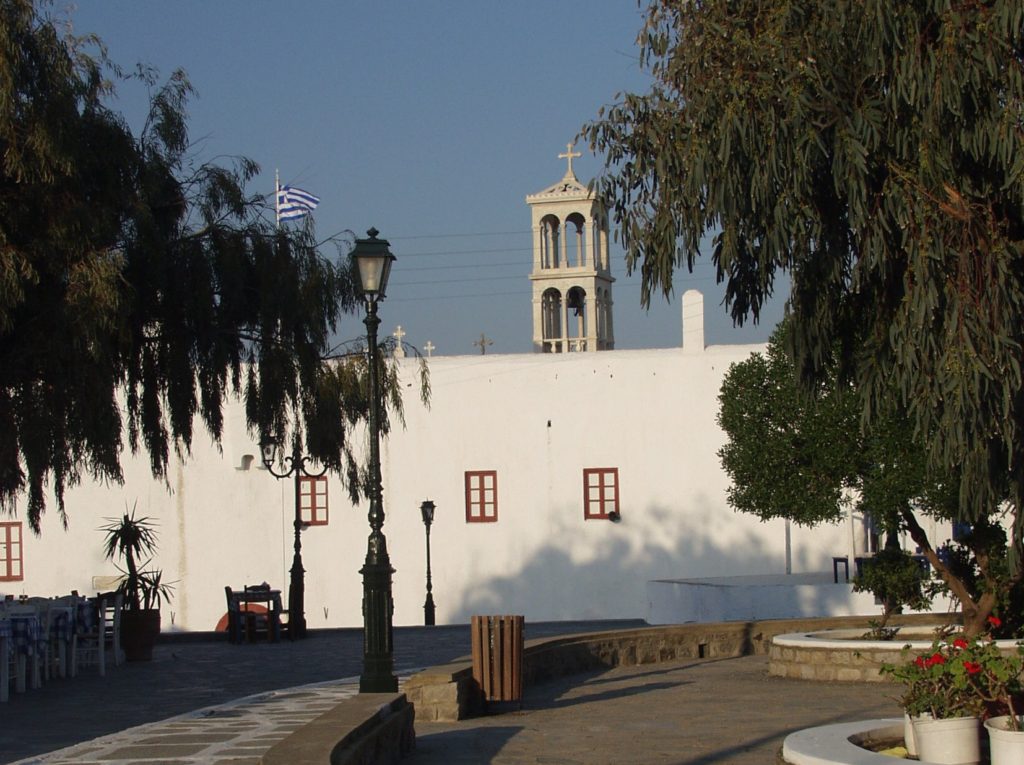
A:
{"points": [[538, 420]]}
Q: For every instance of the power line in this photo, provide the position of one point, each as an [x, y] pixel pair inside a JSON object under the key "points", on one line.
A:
{"points": [[502, 264], [520, 293], [465, 252], [458, 281], [456, 236]]}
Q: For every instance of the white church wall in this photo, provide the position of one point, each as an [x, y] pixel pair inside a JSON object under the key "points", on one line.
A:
{"points": [[536, 419], [651, 414]]}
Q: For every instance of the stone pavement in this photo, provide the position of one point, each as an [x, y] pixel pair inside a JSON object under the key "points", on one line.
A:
{"points": [[684, 713], [192, 672], [236, 733], [691, 712]]}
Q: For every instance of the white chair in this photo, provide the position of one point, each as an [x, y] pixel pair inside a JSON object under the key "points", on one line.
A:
{"points": [[23, 657], [112, 619], [6, 656], [61, 633], [91, 647]]}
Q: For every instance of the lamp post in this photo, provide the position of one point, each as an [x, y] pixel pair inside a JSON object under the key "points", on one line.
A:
{"points": [[427, 511], [269, 446], [374, 260]]}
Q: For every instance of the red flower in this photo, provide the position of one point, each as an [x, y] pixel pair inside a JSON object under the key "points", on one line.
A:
{"points": [[920, 662], [960, 643], [935, 658], [972, 667], [995, 621]]}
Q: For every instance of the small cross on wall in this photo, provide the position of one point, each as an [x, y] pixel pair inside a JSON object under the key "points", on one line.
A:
{"points": [[482, 343], [429, 348]]}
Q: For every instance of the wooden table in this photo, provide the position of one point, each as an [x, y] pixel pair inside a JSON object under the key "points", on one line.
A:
{"points": [[272, 599]]}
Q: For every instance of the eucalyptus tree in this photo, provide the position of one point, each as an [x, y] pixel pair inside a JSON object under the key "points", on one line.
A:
{"points": [[874, 151], [139, 287]]}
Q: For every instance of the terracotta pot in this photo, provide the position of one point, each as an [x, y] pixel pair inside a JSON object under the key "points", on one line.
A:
{"points": [[139, 630]]}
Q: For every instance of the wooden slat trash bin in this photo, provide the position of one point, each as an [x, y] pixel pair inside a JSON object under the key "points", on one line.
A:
{"points": [[498, 657]]}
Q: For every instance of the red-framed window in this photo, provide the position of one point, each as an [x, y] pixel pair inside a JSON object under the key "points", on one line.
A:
{"points": [[313, 500], [600, 492], [481, 496], [11, 560]]}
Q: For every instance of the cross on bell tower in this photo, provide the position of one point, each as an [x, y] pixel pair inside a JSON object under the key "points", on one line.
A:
{"points": [[571, 277], [569, 154]]}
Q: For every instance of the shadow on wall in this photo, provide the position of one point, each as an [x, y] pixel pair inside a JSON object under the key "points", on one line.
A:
{"points": [[600, 571]]}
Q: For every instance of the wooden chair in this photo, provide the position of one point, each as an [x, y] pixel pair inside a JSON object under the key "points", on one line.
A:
{"points": [[234, 617], [22, 661], [7, 666], [91, 647]]}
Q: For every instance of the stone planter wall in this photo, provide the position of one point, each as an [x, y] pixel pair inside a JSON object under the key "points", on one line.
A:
{"points": [[830, 664], [839, 656], [449, 693]]}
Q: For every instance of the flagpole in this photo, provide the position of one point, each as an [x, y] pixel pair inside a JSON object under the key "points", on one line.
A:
{"points": [[277, 197]]}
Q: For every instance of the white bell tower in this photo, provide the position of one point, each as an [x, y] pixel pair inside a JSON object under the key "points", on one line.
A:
{"points": [[572, 283]]}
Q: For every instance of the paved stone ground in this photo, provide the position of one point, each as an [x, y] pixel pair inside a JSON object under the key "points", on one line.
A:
{"points": [[693, 712], [195, 672], [237, 733], [679, 713]]}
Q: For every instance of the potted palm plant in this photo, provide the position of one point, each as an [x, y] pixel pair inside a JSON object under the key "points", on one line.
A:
{"points": [[131, 542]]}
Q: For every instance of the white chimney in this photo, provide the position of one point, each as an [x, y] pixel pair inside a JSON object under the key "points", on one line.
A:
{"points": [[693, 322]]}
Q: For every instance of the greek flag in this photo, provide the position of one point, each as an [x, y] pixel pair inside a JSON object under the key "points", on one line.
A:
{"points": [[293, 203]]}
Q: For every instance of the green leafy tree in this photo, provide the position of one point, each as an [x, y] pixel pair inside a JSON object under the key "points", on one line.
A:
{"points": [[896, 579], [788, 452], [874, 151], [140, 288], [804, 456]]}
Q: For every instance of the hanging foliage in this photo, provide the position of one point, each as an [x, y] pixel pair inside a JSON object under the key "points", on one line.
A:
{"points": [[139, 288], [874, 151]]}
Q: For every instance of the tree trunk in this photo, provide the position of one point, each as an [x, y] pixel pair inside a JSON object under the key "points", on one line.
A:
{"points": [[975, 614]]}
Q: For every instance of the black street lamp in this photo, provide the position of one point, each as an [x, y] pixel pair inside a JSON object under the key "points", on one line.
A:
{"points": [[427, 511], [374, 260], [269, 446]]}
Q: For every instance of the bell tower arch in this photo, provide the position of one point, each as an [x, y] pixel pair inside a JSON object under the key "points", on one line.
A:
{"points": [[571, 276]]}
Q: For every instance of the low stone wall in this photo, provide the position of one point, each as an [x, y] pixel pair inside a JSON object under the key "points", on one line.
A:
{"points": [[830, 663], [448, 693], [842, 657], [368, 729], [377, 729]]}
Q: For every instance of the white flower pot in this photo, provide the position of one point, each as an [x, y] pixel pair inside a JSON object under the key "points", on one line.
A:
{"points": [[1005, 746], [909, 741], [952, 741]]}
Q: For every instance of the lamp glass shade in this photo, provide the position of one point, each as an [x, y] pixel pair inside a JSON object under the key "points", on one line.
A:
{"points": [[427, 511], [268, 449], [374, 260]]}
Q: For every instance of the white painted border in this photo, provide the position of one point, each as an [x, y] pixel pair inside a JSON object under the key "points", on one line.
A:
{"points": [[839, 641], [831, 745]]}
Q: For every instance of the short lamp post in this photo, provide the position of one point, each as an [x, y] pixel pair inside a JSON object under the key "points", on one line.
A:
{"points": [[427, 511], [269, 447], [374, 261]]}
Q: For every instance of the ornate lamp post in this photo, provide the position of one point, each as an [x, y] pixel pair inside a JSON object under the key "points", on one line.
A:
{"points": [[269, 446], [374, 260], [427, 511]]}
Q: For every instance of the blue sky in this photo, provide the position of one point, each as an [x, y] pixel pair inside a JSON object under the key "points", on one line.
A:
{"points": [[430, 121]]}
